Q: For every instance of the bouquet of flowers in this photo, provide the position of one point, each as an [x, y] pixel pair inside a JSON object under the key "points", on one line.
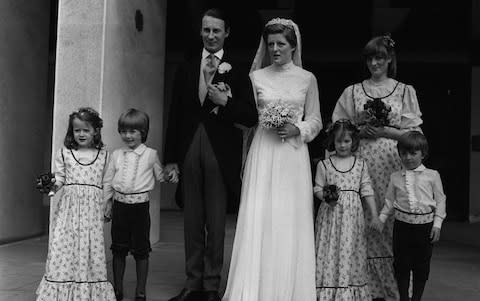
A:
{"points": [[330, 193], [276, 114], [376, 113], [45, 183]]}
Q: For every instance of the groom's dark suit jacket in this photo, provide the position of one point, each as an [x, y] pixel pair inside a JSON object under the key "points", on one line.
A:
{"points": [[187, 113]]}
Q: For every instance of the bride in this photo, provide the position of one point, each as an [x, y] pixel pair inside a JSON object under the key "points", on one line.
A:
{"points": [[273, 253]]}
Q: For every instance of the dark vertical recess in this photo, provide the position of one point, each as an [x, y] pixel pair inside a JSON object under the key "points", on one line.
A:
{"points": [[49, 100]]}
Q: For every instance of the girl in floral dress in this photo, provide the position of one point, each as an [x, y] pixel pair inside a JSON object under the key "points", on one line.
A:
{"points": [[340, 226], [378, 147], [76, 266]]}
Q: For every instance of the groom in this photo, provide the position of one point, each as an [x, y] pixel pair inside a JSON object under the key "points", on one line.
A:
{"points": [[204, 148]]}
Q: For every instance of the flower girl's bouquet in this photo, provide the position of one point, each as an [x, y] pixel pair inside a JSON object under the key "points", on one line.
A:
{"points": [[276, 115], [45, 183], [330, 193], [376, 113]]}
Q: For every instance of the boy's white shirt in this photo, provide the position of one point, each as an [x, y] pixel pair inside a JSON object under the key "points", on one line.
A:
{"points": [[132, 171], [414, 193]]}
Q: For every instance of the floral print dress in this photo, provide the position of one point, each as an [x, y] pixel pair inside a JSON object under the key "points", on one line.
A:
{"points": [[341, 247], [76, 265], [382, 160]]}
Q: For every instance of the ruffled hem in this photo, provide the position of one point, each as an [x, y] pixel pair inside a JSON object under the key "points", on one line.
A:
{"points": [[382, 280], [351, 293], [75, 291]]}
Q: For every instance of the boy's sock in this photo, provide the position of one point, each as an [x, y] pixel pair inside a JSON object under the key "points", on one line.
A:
{"points": [[118, 272], [142, 272]]}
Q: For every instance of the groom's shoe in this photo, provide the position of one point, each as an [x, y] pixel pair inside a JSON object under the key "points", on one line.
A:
{"points": [[188, 295], [212, 296]]}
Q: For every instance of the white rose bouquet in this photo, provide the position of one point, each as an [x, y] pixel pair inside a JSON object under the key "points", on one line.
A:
{"points": [[276, 114]]}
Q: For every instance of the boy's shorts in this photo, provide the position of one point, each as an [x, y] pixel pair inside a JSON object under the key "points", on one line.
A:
{"points": [[131, 229]]}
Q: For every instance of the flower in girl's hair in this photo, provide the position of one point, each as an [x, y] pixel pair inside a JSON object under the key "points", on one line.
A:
{"points": [[376, 113], [45, 182], [276, 115], [330, 193]]}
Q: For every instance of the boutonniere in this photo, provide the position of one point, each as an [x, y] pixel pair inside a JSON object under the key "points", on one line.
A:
{"points": [[224, 68]]}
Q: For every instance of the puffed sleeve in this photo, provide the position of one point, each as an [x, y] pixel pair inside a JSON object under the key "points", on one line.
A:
{"points": [[344, 109], [320, 177], [311, 124], [411, 115], [59, 168], [365, 182]]}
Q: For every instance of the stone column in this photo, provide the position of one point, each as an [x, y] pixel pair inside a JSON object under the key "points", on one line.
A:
{"points": [[110, 56], [24, 115]]}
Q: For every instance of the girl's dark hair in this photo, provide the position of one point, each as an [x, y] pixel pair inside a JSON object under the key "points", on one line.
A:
{"points": [[134, 119], [218, 14], [287, 31], [413, 141], [89, 116], [340, 128], [383, 47]]}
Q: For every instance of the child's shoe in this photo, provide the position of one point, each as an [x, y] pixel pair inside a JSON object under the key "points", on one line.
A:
{"points": [[140, 298]]}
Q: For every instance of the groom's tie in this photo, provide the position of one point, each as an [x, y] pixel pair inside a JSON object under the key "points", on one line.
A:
{"points": [[210, 67]]}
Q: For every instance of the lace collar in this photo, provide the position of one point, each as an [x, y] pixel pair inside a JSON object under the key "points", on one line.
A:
{"points": [[420, 167], [139, 150]]}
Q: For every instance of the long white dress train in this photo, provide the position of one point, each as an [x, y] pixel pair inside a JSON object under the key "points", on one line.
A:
{"points": [[273, 253]]}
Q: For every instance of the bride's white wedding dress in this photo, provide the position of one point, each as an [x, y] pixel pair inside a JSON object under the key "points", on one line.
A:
{"points": [[273, 255]]}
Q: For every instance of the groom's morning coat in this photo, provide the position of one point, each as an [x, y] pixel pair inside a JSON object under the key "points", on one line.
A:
{"points": [[187, 113]]}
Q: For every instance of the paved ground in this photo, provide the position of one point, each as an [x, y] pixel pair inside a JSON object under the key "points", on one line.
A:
{"points": [[455, 273]]}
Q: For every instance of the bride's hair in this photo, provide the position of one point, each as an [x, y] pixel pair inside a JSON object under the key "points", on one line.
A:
{"points": [[382, 46], [287, 31], [341, 128]]}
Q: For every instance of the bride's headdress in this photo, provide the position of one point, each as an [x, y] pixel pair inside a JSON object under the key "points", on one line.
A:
{"points": [[262, 57]]}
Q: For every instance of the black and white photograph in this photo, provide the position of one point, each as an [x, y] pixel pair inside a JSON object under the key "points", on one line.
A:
{"points": [[255, 150]]}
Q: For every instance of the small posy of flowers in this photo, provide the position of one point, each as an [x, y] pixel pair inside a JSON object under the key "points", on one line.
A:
{"points": [[330, 193], [45, 183], [276, 115], [224, 68], [376, 113]]}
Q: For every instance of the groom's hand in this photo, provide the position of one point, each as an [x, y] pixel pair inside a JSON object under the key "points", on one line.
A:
{"points": [[172, 172], [216, 95]]}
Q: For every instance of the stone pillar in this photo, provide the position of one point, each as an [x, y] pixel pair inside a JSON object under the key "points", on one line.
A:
{"points": [[24, 115], [110, 56]]}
